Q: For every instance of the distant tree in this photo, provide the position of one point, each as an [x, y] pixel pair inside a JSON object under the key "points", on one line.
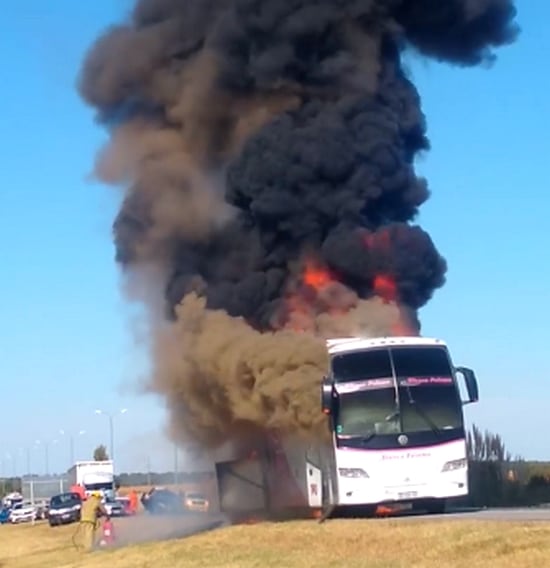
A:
{"points": [[495, 477], [486, 447], [100, 453], [9, 485]]}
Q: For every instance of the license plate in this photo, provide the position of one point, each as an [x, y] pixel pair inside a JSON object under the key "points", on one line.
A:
{"points": [[407, 494], [66, 516]]}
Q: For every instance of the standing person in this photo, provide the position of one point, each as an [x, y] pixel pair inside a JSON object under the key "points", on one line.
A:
{"points": [[91, 510], [133, 502], [146, 500], [77, 488]]}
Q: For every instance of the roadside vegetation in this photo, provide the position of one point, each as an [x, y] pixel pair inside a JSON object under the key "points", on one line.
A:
{"points": [[340, 543], [499, 480]]}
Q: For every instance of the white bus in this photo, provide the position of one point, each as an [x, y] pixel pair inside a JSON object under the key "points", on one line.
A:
{"points": [[397, 436]]}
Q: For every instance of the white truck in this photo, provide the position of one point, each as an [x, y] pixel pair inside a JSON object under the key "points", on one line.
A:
{"points": [[396, 436], [94, 476]]}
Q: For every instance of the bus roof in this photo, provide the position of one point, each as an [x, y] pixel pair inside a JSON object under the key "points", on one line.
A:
{"points": [[343, 344]]}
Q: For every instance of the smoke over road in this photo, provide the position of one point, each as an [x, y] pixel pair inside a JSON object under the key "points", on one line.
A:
{"points": [[266, 149]]}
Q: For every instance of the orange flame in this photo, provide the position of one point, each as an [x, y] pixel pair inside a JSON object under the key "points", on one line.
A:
{"points": [[316, 276], [304, 297], [384, 284], [385, 287], [311, 294]]}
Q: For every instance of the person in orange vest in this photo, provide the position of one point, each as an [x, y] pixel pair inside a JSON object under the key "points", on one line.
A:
{"points": [[133, 502], [76, 488]]}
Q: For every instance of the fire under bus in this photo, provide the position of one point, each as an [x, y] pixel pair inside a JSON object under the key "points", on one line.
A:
{"points": [[396, 439]]}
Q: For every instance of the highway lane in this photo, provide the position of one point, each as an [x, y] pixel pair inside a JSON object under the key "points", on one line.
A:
{"points": [[509, 515], [144, 527]]}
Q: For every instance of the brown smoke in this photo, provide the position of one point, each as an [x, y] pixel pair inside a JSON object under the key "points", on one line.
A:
{"points": [[182, 200], [223, 379]]}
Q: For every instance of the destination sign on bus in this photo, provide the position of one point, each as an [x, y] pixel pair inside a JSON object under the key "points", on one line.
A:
{"points": [[370, 384], [420, 381]]}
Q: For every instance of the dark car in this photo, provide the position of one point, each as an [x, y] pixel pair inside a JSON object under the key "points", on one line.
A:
{"points": [[64, 509], [162, 501]]}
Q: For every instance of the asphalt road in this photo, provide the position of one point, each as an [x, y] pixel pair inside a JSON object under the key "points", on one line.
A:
{"points": [[509, 515], [146, 527]]}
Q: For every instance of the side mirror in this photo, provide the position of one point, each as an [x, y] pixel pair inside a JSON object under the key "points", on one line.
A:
{"points": [[327, 395], [471, 384]]}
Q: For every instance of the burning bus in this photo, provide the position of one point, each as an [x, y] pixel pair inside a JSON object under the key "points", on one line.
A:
{"points": [[267, 154], [396, 436]]}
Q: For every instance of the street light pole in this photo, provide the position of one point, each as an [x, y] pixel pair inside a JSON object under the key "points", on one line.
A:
{"points": [[71, 442], [13, 459], [176, 465], [111, 418], [46, 453], [111, 437]]}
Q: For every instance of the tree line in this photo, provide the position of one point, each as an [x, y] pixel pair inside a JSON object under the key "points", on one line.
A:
{"points": [[138, 479], [496, 478]]}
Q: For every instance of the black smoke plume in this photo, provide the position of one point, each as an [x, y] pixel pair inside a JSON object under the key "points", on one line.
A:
{"points": [[253, 138]]}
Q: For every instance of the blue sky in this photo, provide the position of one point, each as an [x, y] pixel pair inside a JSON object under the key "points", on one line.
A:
{"points": [[65, 343]]}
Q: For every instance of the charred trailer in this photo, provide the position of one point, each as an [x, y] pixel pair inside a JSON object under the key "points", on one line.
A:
{"points": [[278, 479]]}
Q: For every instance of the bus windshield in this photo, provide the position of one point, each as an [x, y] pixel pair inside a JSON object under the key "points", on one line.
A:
{"points": [[367, 412], [396, 390], [362, 365], [428, 397], [429, 406]]}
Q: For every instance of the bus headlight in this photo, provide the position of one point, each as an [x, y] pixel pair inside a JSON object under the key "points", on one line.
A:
{"points": [[455, 464], [352, 472]]}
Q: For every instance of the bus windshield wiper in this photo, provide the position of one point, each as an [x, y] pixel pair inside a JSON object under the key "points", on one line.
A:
{"points": [[395, 414], [422, 413], [368, 437]]}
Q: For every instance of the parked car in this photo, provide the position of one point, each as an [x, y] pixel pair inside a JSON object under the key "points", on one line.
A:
{"points": [[114, 508], [11, 499], [64, 509], [125, 504], [196, 502], [42, 508], [23, 512]]}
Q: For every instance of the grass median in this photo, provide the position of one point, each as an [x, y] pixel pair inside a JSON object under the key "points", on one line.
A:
{"points": [[339, 543]]}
